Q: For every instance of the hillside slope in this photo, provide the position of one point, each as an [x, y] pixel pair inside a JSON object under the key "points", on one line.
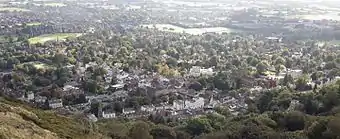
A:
{"points": [[18, 121]]}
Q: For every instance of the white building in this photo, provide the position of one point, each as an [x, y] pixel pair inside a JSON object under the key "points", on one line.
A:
{"points": [[295, 73], [108, 115], [30, 96], [128, 111], [55, 103], [197, 71], [196, 103]]}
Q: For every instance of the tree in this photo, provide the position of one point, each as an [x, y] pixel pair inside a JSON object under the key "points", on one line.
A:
{"points": [[333, 73], [333, 128], [198, 126], [59, 59], [261, 67], [301, 82], [330, 65], [263, 104], [163, 132], [172, 62], [279, 68], [317, 129], [213, 61], [289, 63], [295, 121], [196, 86], [280, 61], [118, 107], [288, 79], [140, 130]]}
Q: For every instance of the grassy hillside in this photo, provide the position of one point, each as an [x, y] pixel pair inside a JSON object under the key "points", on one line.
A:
{"points": [[19, 121]]}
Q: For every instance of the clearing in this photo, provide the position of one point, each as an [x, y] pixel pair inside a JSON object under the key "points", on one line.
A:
{"points": [[55, 4], [52, 37], [33, 24]]}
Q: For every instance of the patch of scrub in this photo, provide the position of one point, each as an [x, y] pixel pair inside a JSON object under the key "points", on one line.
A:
{"points": [[53, 37]]}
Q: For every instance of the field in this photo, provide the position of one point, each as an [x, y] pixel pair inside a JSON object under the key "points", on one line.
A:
{"points": [[50, 37], [13, 9], [33, 24], [193, 31], [55, 4]]}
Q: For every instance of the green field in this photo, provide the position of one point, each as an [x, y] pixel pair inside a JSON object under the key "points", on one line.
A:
{"points": [[52, 37], [13, 9], [55, 4], [33, 24]]}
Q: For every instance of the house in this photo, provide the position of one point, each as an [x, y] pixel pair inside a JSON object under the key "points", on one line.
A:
{"points": [[108, 114], [117, 86], [148, 108], [120, 95], [40, 99], [197, 71], [29, 96], [67, 88], [195, 103], [128, 111], [274, 39], [55, 103]]}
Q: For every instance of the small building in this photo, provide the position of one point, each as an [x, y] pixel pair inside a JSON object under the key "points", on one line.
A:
{"points": [[195, 103], [28, 96], [40, 99], [197, 71], [108, 114], [148, 108], [295, 73], [128, 111], [92, 117], [55, 103], [274, 39]]}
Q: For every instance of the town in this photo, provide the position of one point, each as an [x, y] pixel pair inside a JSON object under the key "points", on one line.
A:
{"points": [[168, 60]]}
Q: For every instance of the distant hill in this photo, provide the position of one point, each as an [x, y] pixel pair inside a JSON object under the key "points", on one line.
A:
{"points": [[19, 121]]}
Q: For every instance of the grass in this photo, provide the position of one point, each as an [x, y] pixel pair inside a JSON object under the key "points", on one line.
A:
{"points": [[52, 37], [36, 65], [33, 24], [13, 9], [40, 66], [64, 127], [55, 4]]}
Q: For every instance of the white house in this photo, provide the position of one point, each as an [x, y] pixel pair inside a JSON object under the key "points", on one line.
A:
{"points": [[196, 71], [29, 96], [55, 103], [295, 73], [129, 111], [195, 103], [108, 115]]}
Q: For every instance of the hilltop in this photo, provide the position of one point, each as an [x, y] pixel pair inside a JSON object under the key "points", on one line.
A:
{"points": [[19, 122]]}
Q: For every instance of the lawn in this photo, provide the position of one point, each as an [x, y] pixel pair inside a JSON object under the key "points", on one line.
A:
{"points": [[13, 9], [33, 24], [50, 37], [55, 4]]}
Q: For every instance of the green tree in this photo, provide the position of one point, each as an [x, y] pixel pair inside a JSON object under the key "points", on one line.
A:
{"points": [[140, 130], [261, 67], [163, 132], [301, 82], [294, 121], [198, 126]]}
